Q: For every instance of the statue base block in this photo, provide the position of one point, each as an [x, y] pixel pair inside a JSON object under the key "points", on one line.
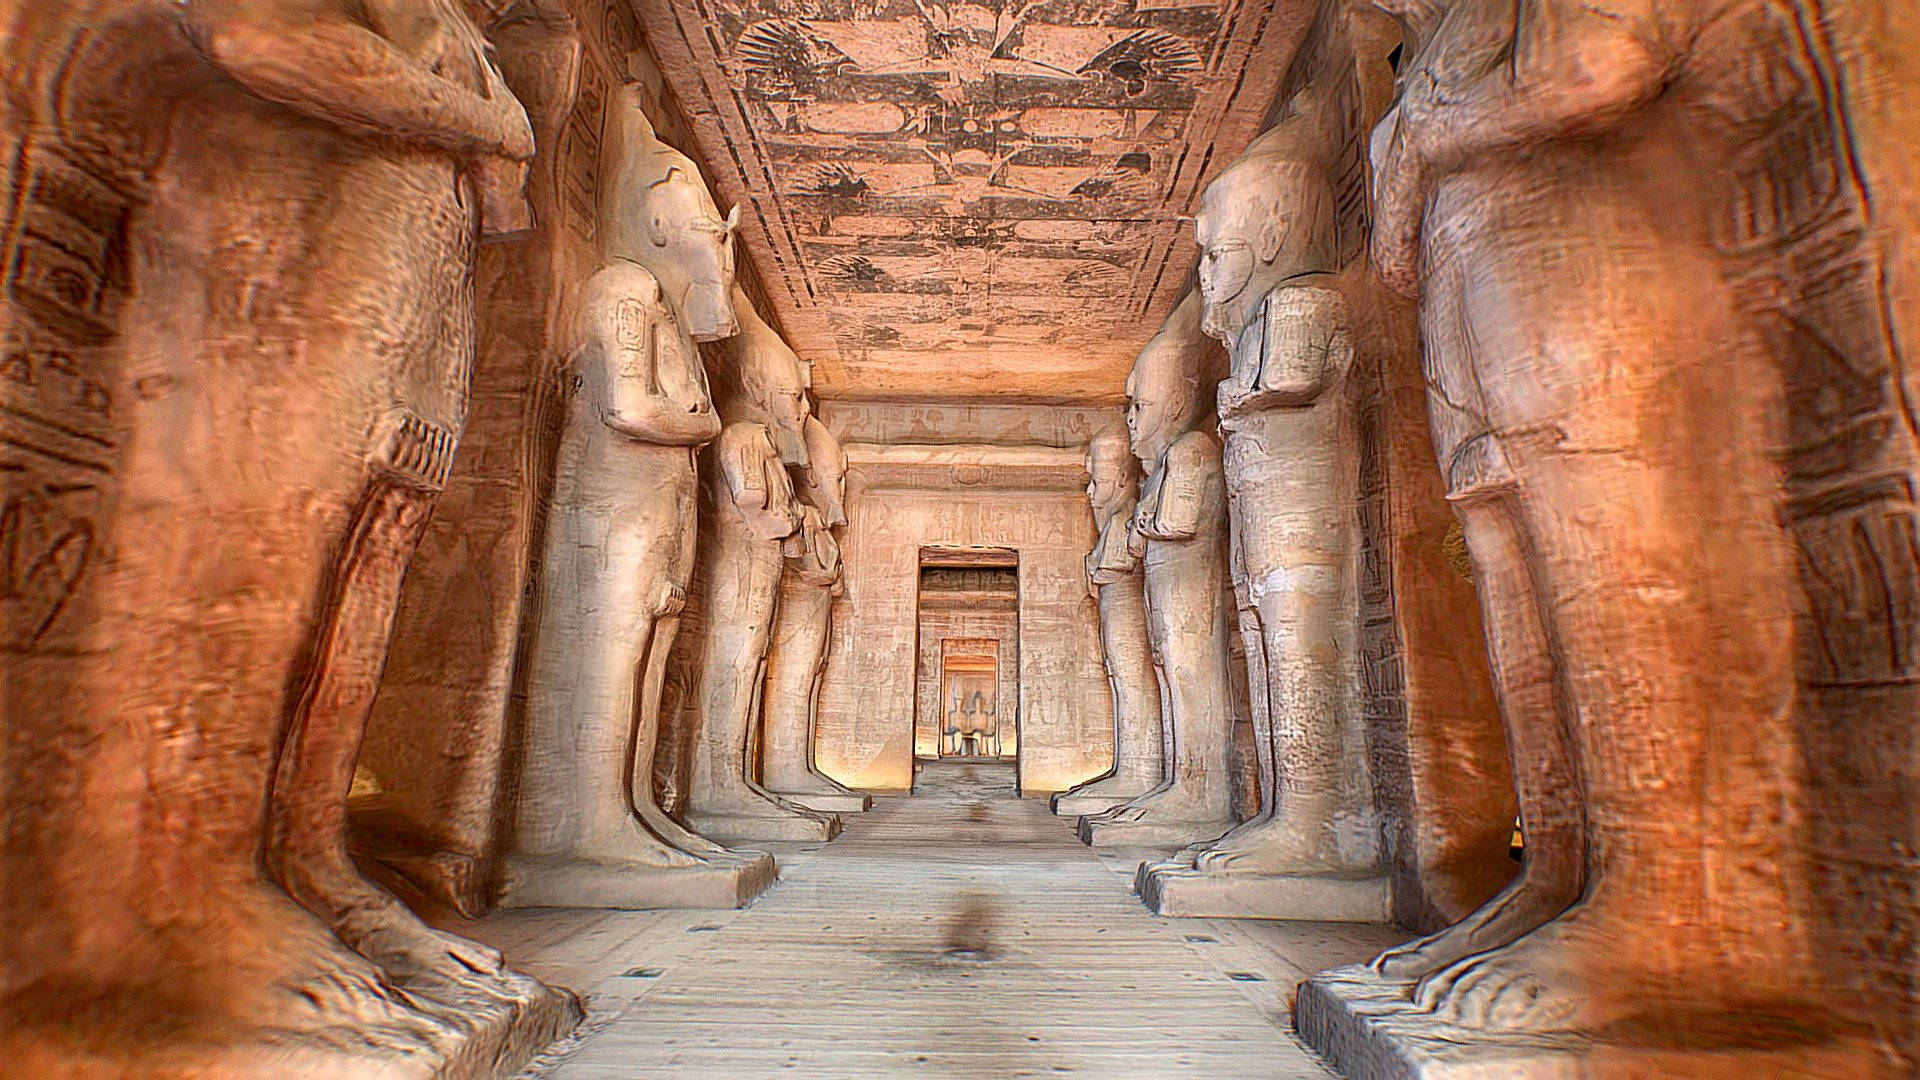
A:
{"points": [[851, 802], [573, 883], [746, 829], [1072, 804], [1188, 893], [1365, 1026], [450, 1033], [1150, 834]]}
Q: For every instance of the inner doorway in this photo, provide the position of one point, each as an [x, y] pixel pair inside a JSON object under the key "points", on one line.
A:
{"points": [[968, 692]]}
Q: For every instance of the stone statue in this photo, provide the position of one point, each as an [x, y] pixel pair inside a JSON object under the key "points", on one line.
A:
{"points": [[1269, 278], [1648, 312], [238, 330], [619, 556], [750, 509], [797, 657], [1113, 576], [1180, 536]]}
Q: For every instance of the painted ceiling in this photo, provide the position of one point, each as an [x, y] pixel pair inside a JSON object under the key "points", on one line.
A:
{"points": [[960, 200]]}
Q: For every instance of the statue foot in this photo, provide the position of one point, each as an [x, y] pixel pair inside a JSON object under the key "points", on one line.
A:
{"points": [[375, 924], [631, 843], [1519, 909], [1102, 793], [677, 835], [1597, 972], [809, 783], [1169, 804], [1270, 846]]}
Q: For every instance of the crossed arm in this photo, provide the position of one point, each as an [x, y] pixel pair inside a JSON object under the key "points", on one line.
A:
{"points": [[309, 55], [1500, 75]]}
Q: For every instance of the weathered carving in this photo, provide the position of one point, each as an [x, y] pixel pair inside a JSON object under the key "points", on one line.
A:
{"points": [[1269, 276], [1179, 532], [238, 334], [1619, 470], [1114, 578], [749, 508], [797, 656]]}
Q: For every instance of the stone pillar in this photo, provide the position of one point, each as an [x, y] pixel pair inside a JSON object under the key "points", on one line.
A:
{"points": [[1671, 511], [1113, 576], [803, 621], [1267, 274], [749, 508], [237, 336], [1179, 530]]}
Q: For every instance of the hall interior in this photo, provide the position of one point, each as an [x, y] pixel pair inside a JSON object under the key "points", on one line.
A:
{"points": [[592, 539]]}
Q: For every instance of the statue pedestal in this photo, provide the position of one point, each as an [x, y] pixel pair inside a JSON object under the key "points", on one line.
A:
{"points": [[1365, 1026], [748, 828], [481, 1032], [852, 802], [575, 883], [1185, 892], [1094, 800], [1150, 834]]}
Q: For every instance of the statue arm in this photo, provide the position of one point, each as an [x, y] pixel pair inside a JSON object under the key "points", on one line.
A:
{"points": [[1305, 349], [1182, 489], [1552, 69], [621, 316], [757, 482], [323, 64]]}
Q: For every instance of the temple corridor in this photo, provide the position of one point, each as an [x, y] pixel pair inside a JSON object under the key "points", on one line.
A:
{"points": [[959, 932]]}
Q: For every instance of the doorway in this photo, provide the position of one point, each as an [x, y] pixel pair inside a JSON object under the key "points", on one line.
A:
{"points": [[968, 692]]}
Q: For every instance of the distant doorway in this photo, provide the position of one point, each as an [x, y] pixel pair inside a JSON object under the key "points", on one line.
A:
{"points": [[968, 693]]}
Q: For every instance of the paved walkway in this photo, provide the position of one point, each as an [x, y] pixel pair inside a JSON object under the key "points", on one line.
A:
{"points": [[953, 934]]}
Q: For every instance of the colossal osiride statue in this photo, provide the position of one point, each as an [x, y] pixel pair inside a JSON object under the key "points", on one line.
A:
{"points": [[1180, 534], [749, 507], [1661, 376], [803, 620], [1113, 577], [237, 335], [620, 542], [1274, 297]]}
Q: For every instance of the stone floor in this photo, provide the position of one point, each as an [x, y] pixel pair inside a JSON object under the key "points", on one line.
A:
{"points": [[956, 933]]}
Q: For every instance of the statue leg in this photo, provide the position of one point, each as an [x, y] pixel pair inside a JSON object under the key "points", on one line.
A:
{"points": [[646, 738], [306, 848], [722, 800], [792, 687], [1184, 583], [1669, 605], [1554, 868], [1134, 686]]}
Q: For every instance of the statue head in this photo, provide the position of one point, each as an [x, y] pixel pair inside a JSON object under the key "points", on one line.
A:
{"points": [[773, 376], [1170, 391], [657, 211], [1269, 217], [824, 482], [1113, 475]]}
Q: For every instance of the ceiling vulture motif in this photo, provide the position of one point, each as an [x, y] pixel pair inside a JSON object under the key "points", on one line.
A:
{"points": [[958, 199]]}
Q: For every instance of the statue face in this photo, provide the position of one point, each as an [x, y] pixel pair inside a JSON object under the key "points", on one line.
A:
{"points": [[1227, 263], [1109, 474], [698, 246], [826, 475]]}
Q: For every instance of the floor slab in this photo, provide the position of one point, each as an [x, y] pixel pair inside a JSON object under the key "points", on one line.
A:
{"points": [[957, 933]]}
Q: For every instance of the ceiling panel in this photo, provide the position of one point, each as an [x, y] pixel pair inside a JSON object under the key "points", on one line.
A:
{"points": [[967, 200]]}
